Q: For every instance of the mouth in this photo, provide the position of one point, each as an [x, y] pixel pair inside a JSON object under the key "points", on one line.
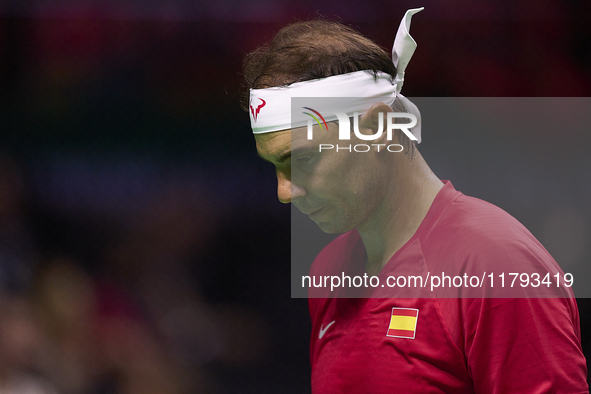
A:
{"points": [[314, 212]]}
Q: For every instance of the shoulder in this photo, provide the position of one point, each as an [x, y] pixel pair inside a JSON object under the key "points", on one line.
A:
{"points": [[475, 218], [338, 257], [474, 228], [468, 225], [335, 253], [475, 238]]}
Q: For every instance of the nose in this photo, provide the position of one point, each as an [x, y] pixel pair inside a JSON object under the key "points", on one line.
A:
{"points": [[286, 189]]}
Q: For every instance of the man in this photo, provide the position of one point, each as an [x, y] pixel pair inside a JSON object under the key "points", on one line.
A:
{"points": [[400, 220]]}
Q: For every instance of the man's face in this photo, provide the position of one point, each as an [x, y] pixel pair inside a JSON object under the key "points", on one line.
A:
{"points": [[337, 190]]}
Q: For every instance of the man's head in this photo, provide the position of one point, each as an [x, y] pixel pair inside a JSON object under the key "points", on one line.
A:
{"points": [[338, 190]]}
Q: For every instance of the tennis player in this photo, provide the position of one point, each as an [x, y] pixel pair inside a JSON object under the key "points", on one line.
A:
{"points": [[398, 218]]}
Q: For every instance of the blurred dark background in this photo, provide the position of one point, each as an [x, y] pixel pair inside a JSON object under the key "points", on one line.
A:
{"points": [[142, 246]]}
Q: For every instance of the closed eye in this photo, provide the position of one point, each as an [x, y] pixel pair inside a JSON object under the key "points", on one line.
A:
{"points": [[303, 159]]}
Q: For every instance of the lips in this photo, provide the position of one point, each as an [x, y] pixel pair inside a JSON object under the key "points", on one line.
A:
{"points": [[313, 212], [306, 210]]}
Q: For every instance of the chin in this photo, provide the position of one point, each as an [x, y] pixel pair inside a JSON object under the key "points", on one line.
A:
{"points": [[334, 227]]}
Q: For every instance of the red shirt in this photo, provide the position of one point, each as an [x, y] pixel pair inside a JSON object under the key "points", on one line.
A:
{"points": [[437, 344]]}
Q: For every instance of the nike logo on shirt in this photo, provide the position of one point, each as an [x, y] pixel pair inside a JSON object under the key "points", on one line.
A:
{"points": [[323, 330]]}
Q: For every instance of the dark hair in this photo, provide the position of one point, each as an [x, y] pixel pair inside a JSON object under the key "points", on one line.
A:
{"points": [[309, 50]]}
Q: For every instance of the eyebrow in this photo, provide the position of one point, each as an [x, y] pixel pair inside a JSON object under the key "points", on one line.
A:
{"points": [[283, 157]]}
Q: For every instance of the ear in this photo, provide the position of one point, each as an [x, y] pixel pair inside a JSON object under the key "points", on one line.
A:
{"points": [[370, 120]]}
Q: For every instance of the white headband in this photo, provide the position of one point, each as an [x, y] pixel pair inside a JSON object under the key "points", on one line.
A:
{"points": [[270, 109]]}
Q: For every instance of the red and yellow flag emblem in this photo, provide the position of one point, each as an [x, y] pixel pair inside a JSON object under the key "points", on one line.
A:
{"points": [[403, 323]]}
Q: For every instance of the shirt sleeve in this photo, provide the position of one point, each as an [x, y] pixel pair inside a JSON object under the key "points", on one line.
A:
{"points": [[524, 345]]}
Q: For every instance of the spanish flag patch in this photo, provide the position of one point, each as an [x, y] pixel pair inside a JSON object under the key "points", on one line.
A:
{"points": [[403, 323]]}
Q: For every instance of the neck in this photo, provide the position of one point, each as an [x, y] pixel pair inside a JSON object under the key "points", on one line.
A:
{"points": [[400, 214]]}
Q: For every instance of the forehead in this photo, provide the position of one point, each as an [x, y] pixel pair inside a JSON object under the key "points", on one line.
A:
{"points": [[278, 145]]}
